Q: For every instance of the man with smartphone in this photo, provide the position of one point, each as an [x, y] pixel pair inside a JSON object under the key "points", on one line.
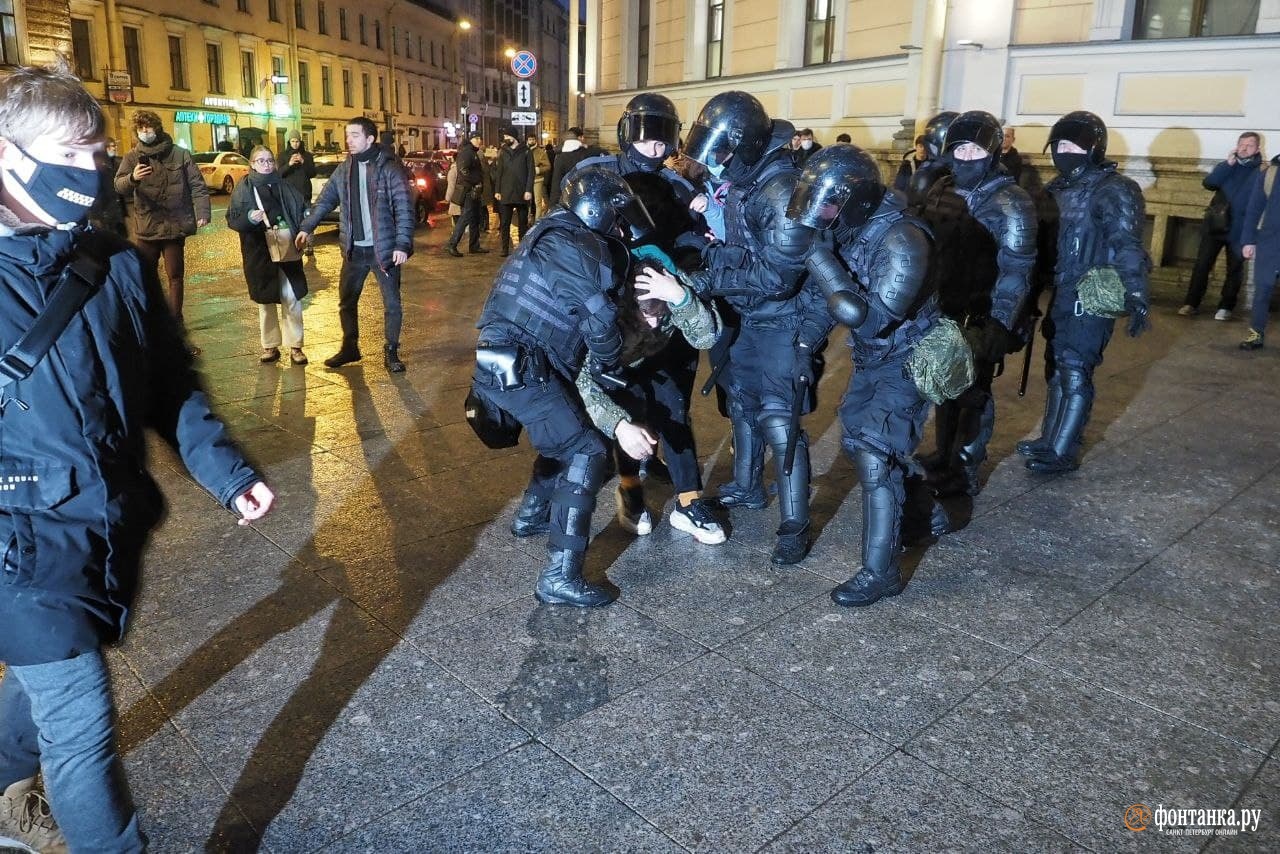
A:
{"points": [[170, 201]]}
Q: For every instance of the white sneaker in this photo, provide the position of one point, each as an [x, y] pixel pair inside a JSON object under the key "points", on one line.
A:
{"points": [[697, 521], [26, 822], [1222, 314], [633, 516]]}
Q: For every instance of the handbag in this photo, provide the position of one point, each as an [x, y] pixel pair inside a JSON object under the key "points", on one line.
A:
{"points": [[280, 245], [493, 426], [1217, 216], [1101, 292]]}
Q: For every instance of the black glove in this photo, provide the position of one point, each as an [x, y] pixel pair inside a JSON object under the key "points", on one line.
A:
{"points": [[1136, 305], [997, 341]]}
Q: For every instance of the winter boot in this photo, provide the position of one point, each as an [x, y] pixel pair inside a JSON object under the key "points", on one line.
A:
{"points": [[561, 581], [793, 491]]}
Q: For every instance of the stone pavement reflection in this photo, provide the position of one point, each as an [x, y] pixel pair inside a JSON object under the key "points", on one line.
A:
{"points": [[367, 669]]}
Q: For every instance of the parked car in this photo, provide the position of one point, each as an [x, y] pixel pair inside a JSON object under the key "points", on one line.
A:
{"points": [[428, 174], [423, 203], [222, 170]]}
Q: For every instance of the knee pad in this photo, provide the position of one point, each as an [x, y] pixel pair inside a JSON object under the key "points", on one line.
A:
{"points": [[1075, 379], [585, 471], [874, 469]]}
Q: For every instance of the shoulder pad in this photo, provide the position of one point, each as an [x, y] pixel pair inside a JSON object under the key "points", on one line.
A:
{"points": [[605, 161]]}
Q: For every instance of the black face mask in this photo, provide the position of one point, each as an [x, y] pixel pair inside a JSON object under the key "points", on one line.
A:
{"points": [[647, 164], [969, 173], [1069, 162], [65, 193]]}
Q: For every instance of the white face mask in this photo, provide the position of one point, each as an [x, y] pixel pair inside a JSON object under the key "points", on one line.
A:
{"points": [[146, 137], [806, 144], [716, 171]]}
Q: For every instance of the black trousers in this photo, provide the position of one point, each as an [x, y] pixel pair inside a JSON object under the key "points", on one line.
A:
{"points": [[504, 223], [356, 267], [659, 399], [470, 218], [1210, 246]]}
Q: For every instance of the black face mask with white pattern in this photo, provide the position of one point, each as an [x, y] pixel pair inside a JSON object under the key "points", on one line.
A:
{"points": [[64, 193]]}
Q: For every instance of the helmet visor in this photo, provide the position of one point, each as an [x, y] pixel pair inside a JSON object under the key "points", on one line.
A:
{"points": [[639, 127], [711, 146], [1082, 133], [980, 133], [634, 217], [817, 203]]}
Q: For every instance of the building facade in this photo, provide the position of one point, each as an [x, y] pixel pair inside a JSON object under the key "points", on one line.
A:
{"points": [[1175, 80]]}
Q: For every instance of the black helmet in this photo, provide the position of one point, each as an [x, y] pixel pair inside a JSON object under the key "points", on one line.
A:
{"points": [[935, 133], [605, 202], [978, 127], [649, 116], [731, 124], [839, 182], [1083, 128]]}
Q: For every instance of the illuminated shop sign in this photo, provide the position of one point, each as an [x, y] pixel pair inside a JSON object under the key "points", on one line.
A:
{"points": [[200, 117]]}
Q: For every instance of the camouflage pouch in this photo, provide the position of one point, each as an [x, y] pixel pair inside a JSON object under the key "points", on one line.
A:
{"points": [[941, 363], [1101, 293]]}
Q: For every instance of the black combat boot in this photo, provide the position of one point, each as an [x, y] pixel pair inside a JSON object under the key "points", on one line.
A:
{"points": [[345, 356], [923, 518], [1052, 409], [973, 433], [561, 581], [1064, 448], [882, 498], [793, 491], [391, 358], [746, 490]]}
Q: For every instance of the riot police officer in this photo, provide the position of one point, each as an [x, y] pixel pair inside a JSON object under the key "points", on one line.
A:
{"points": [[552, 303], [934, 168], [649, 132], [758, 270], [876, 283], [986, 294], [1099, 241]]}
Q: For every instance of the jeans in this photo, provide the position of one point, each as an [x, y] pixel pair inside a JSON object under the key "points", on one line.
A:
{"points": [[68, 704], [355, 269], [470, 217], [659, 399], [1210, 246]]}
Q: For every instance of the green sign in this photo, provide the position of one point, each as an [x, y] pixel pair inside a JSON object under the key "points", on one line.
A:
{"points": [[200, 117]]}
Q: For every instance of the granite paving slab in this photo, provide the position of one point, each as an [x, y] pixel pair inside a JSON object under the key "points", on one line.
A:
{"points": [[716, 757], [883, 669], [1262, 794], [903, 805], [1082, 756], [709, 593], [526, 800], [1247, 525], [1212, 585], [1200, 672], [547, 666], [309, 766]]}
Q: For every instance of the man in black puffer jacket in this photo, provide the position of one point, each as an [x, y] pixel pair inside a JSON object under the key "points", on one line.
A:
{"points": [[468, 196], [376, 234]]}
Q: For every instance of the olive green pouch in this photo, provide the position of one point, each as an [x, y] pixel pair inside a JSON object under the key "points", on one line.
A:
{"points": [[1101, 293], [941, 363]]}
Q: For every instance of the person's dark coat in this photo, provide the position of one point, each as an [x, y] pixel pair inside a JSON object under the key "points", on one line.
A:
{"points": [[389, 204], [82, 503], [513, 175], [566, 162], [261, 273], [802, 154], [470, 164], [108, 209], [1236, 182], [1264, 207], [1013, 164], [167, 203], [902, 181], [298, 175]]}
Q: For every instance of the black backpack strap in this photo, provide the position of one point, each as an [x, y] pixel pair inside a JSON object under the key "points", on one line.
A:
{"points": [[81, 278]]}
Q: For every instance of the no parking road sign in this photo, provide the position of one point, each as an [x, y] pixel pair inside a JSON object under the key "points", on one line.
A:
{"points": [[524, 64]]}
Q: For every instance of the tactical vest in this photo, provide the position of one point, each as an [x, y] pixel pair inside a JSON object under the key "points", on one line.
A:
{"points": [[736, 230], [524, 301], [1081, 244], [964, 267]]}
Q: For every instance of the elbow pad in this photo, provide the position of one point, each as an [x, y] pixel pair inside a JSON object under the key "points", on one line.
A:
{"points": [[844, 304]]}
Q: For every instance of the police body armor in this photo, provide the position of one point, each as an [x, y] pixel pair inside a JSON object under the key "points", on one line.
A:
{"points": [[524, 306], [1082, 243], [964, 250], [765, 198], [885, 264], [1008, 216]]}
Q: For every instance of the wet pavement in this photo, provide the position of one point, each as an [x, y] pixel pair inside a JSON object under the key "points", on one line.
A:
{"points": [[367, 670]]}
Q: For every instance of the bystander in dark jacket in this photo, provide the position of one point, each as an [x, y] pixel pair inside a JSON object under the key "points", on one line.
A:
{"points": [[298, 166], [572, 152], [1260, 232]]}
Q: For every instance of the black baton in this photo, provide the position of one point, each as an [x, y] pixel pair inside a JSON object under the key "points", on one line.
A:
{"points": [[793, 434]]}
